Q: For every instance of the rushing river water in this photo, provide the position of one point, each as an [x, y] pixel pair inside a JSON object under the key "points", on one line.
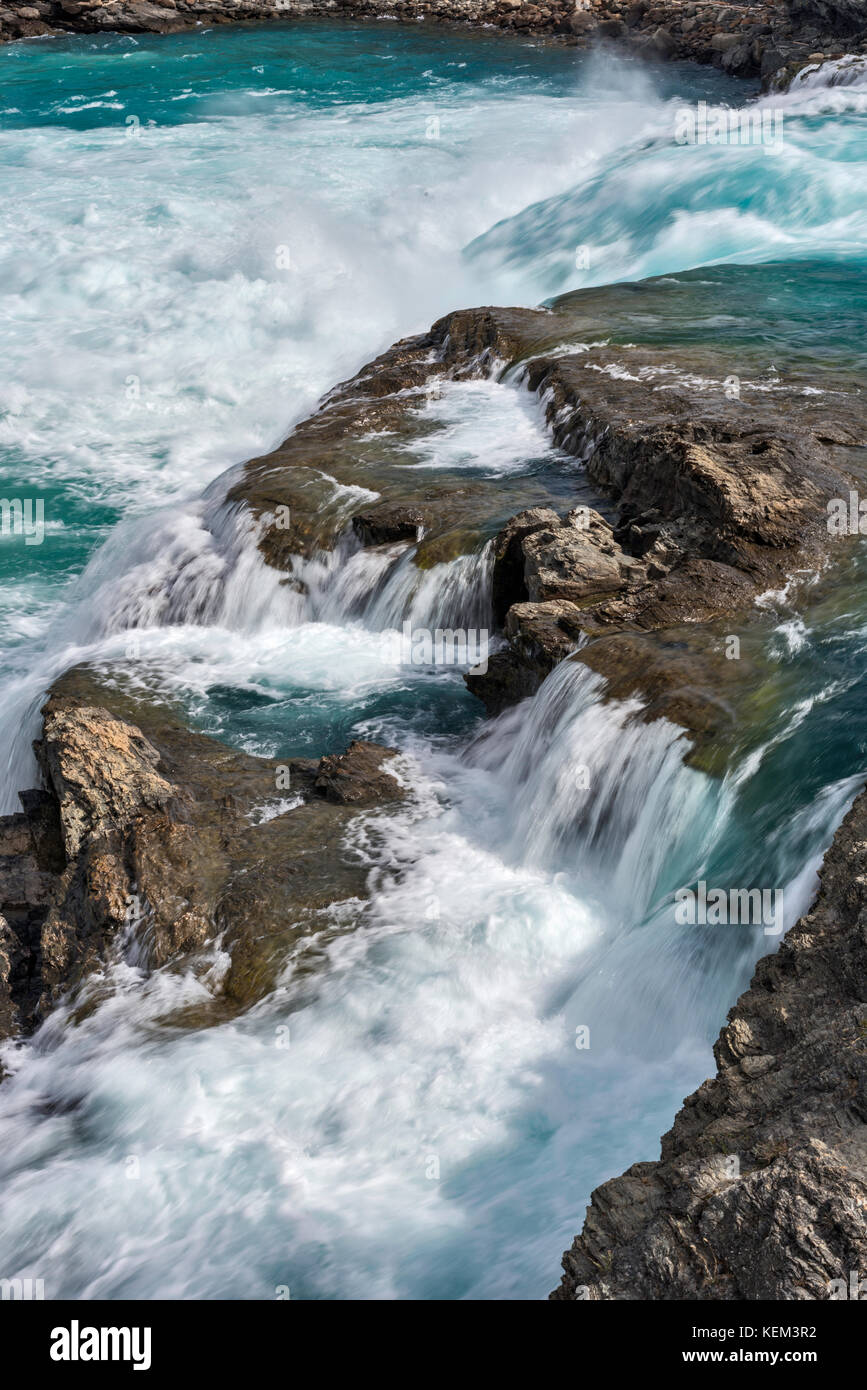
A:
{"points": [[201, 234]]}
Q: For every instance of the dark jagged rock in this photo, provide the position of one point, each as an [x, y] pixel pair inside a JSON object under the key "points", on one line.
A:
{"points": [[540, 636], [508, 582], [31, 858], [358, 777], [835, 17], [150, 829], [575, 559], [761, 1189], [385, 524]]}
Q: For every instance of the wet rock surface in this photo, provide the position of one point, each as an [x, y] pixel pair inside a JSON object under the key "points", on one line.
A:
{"points": [[358, 777], [386, 524], [362, 437], [761, 1188], [150, 834]]}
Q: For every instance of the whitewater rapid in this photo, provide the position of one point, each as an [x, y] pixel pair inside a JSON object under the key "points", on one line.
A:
{"points": [[412, 1119]]}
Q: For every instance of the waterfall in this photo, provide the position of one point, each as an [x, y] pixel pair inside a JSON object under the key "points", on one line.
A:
{"points": [[383, 587], [593, 788]]}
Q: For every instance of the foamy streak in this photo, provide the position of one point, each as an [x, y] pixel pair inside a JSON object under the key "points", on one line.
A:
{"points": [[591, 784], [201, 565], [196, 564]]}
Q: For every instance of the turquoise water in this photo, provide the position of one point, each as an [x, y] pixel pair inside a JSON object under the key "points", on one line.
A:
{"points": [[176, 291], [83, 82]]}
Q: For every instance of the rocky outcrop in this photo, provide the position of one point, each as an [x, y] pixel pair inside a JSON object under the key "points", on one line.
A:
{"points": [[761, 1188], [762, 38], [152, 838], [719, 490], [359, 439], [358, 777], [702, 490], [539, 556]]}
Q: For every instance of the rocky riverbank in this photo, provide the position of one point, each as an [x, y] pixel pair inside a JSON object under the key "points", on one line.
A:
{"points": [[761, 1189], [768, 38]]}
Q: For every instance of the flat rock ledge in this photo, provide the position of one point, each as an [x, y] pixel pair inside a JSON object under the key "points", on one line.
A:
{"points": [[763, 38], [761, 1188], [151, 837]]}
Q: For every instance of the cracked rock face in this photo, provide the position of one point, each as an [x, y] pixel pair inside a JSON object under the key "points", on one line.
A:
{"points": [[761, 1188], [540, 556], [102, 770], [577, 560]]}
